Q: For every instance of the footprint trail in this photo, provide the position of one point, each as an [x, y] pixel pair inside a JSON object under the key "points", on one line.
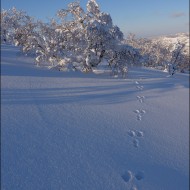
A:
{"points": [[136, 135]]}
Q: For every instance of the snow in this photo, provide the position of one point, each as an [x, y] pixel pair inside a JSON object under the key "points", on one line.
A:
{"points": [[74, 131], [174, 39]]}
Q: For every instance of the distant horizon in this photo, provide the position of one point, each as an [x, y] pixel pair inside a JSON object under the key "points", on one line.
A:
{"points": [[145, 19], [159, 35]]}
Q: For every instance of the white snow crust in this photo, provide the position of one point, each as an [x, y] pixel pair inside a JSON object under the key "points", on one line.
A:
{"points": [[75, 131]]}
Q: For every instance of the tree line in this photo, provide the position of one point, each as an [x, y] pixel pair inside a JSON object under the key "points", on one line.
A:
{"points": [[81, 40]]}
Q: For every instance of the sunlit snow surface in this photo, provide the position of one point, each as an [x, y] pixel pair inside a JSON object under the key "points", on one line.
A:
{"points": [[74, 131]]}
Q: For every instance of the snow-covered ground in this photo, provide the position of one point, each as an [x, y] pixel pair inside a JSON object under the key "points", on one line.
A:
{"points": [[74, 131]]}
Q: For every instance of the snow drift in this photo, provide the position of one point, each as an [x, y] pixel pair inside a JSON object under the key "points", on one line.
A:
{"points": [[74, 131]]}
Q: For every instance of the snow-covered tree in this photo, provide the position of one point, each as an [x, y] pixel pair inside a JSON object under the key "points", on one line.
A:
{"points": [[90, 34], [160, 54], [76, 39], [15, 26], [123, 57]]}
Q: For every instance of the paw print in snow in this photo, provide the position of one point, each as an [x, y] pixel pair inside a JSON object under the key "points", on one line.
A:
{"points": [[127, 176], [140, 87], [139, 114], [135, 143], [139, 175], [135, 134], [141, 98]]}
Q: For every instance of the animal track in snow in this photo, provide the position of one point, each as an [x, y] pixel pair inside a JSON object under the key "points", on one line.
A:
{"points": [[137, 111], [139, 175], [139, 114], [136, 133], [131, 133], [140, 111], [135, 143], [141, 98], [127, 176], [140, 87], [139, 133], [139, 117]]}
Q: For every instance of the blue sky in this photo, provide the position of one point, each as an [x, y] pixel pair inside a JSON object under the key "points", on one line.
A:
{"points": [[145, 18]]}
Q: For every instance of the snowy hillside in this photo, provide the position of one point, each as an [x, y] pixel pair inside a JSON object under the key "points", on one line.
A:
{"points": [[173, 39], [74, 131]]}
